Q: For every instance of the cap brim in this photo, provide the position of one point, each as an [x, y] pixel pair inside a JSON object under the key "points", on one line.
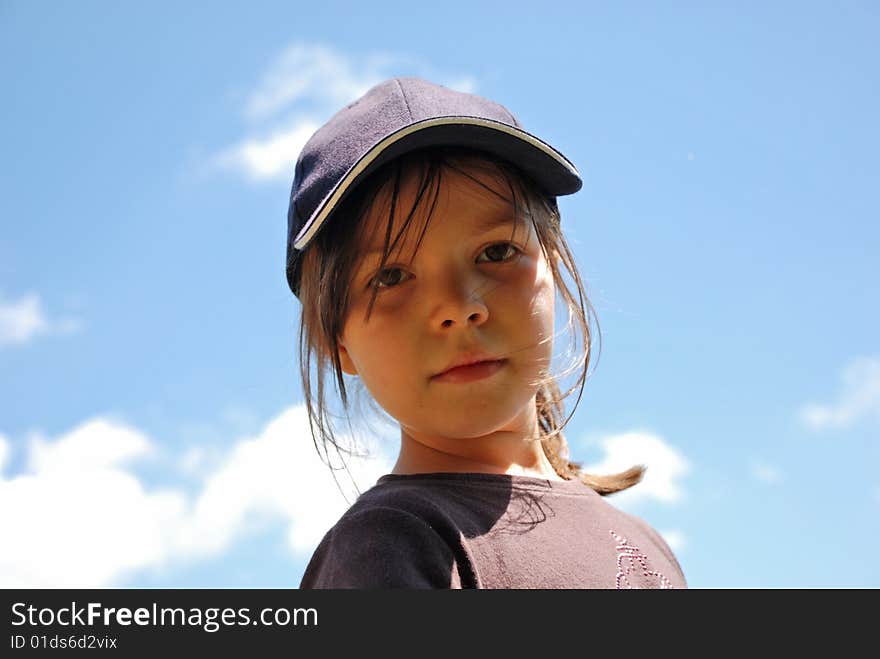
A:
{"points": [[547, 166]]}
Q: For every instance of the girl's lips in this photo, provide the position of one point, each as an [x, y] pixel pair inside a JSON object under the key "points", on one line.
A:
{"points": [[471, 372]]}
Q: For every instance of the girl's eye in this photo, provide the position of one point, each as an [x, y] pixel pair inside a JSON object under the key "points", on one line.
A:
{"points": [[504, 251], [383, 280], [391, 277]]}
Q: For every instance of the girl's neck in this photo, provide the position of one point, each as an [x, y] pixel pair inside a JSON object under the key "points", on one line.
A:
{"points": [[522, 457]]}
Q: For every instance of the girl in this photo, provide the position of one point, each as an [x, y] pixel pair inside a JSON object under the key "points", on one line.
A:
{"points": [[424, 244]]}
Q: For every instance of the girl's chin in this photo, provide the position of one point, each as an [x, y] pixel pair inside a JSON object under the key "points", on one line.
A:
{"points": [[471, 429]]}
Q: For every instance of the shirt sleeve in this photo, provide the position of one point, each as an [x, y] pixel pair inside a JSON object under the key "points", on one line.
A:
{"points": [[381, 548]]}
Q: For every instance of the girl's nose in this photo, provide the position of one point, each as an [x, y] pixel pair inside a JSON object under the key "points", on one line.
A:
{"points": [[460, 303]]}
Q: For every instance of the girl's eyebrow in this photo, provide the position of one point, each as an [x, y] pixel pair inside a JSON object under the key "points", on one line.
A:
{"points": [[486, 225], [493, 221]]}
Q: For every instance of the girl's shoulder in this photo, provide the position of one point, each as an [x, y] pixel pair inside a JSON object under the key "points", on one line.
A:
{"points": [[392, 506], [381, 542]]}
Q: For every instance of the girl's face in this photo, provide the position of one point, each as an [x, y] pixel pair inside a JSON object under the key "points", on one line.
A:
{"points": [[470, 287]]}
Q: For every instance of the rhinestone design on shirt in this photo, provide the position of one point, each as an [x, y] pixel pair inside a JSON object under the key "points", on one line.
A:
{"points": [[633, 568]]}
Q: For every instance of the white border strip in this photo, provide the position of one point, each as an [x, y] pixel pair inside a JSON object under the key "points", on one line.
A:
{"points": [[374, 153]]}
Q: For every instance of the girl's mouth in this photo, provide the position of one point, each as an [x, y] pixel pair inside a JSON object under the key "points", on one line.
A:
{"points": [[471, 372]]}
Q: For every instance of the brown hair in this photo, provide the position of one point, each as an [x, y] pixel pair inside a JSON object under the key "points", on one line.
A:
{"points": [[328, 265]]}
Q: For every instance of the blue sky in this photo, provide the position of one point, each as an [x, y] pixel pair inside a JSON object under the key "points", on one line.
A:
{"points": [[151, 427]]}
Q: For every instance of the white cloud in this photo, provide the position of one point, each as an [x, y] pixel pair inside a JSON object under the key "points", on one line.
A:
{"points": [[21, 320], [80, 517], [272, 157], [4, 452], [675, 539], [314, 72], [766, 473], [24, 319], [665, 466], [859, 398], [302, 88], [196, 460]]}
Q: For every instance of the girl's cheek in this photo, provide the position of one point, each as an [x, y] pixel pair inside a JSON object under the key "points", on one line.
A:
{"points": [[530, 272], [542, 287]]}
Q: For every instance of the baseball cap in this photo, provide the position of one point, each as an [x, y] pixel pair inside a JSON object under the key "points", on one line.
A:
{"points": [[394, 117]]}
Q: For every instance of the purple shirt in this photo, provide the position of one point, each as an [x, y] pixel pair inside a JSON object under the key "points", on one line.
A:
{"points": [[472, 530]]}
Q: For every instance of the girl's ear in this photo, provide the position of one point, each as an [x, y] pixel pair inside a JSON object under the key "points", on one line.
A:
{"points": [[345, 359]]}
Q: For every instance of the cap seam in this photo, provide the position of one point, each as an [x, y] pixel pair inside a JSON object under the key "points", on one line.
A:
{"points": [[297, 177], [405, 101]]}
